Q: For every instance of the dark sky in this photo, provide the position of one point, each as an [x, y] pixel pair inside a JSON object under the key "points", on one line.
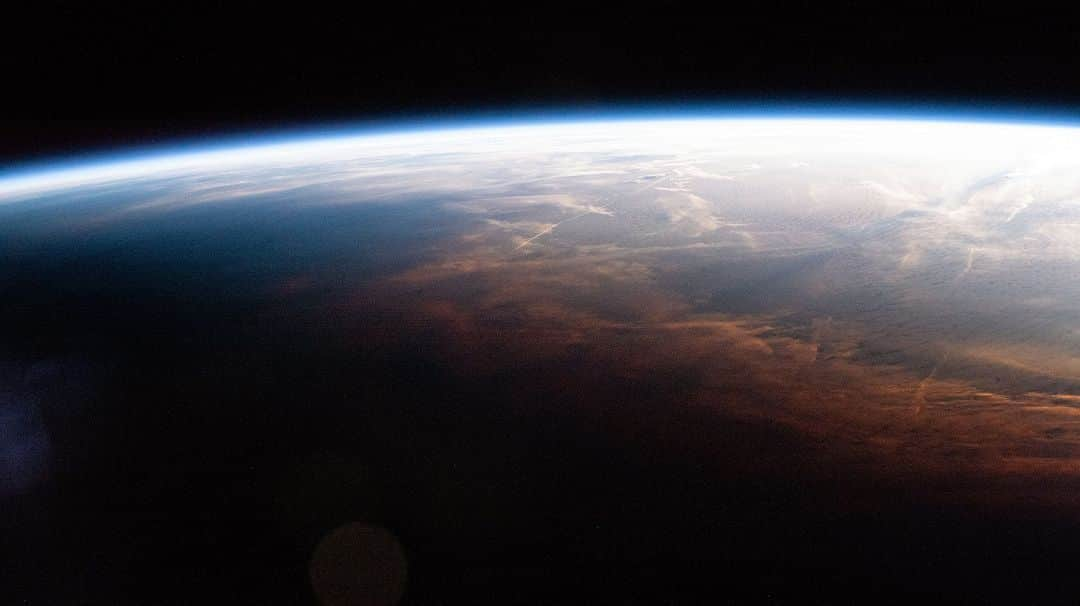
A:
{"points": [[92, 78]]}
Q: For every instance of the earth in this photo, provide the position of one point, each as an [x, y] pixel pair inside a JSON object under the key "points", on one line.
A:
{"points": [[629, 361]]}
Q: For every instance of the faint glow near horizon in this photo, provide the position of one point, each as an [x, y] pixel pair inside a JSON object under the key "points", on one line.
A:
{"points": [[1027, 144]]}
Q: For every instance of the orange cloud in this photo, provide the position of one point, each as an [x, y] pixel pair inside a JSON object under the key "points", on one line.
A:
{"points": [[927, 415]]}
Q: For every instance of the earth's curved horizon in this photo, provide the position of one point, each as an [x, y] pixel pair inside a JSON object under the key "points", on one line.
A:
{"points": [[550, 359]]}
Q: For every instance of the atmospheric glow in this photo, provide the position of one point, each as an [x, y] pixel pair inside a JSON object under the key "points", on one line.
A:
{"points": [[1036, 147]]}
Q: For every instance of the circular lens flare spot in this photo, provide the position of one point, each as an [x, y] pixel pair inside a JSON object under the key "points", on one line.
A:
{"points": [[358, 565]]}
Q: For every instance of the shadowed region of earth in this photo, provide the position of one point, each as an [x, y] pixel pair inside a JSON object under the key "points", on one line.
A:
{"points": [[635, 362]]}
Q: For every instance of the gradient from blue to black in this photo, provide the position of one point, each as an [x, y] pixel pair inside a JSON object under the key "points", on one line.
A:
{"points": [[102, 78]]}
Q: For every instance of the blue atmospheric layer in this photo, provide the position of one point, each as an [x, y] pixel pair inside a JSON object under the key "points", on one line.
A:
{"points": [[1004, 114]]}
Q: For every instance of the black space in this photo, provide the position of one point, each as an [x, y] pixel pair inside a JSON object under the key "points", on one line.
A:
{"points": [[80, 79]]}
